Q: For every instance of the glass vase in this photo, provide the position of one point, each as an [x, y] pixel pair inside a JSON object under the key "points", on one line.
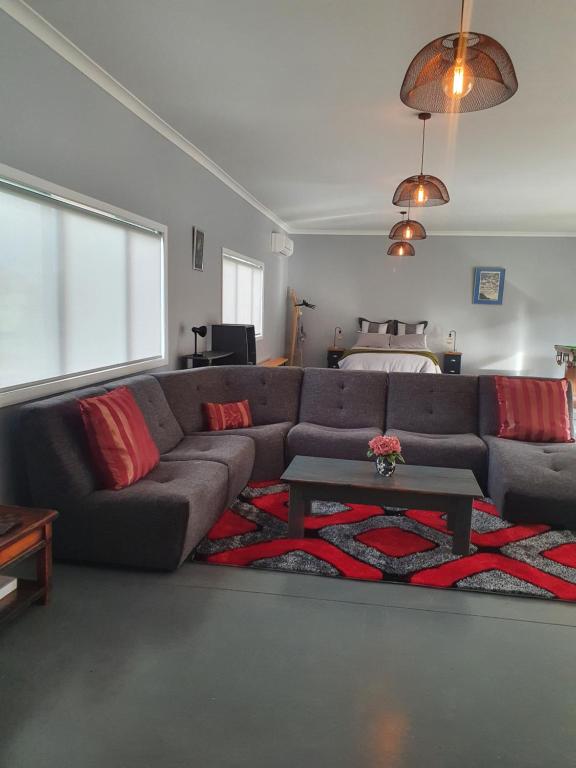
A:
{"points": [[384, 466]]}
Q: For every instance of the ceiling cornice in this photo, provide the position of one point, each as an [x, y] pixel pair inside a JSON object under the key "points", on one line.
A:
{"points": [[31, 20], [439, 233], [60, 44]]}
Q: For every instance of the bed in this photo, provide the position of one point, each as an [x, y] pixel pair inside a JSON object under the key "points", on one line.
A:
{"points": [[391, 346], [390, 360]]}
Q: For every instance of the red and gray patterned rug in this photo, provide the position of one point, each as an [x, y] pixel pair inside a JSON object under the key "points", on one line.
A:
{"points": [[409, 546]]}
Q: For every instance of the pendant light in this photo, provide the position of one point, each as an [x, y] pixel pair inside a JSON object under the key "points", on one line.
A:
{"points": [[421, 190], [401, 248], [408, 229], [459, 72]]}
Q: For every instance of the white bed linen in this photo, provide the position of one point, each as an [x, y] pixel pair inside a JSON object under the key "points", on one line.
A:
{"points": [[391, 362]]}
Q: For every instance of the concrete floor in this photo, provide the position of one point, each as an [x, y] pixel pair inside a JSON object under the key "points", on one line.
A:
{"points": [[230, 668]]}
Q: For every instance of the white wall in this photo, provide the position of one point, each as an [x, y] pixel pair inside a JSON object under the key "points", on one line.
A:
{"points": [[351, 276], [60, 126]]}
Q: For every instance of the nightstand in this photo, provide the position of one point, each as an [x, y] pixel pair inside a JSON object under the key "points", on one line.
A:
{"points": [[452, 362], [333, 356]]}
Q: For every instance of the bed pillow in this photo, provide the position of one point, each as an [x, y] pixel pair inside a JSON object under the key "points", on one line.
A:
{"points": [[403, 329], [375, 340], [535, 410], [409, 341], [122, 448], [371, 326]]}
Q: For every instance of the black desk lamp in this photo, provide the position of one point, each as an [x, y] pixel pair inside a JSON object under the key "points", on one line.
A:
{"points": [[201, 330]]}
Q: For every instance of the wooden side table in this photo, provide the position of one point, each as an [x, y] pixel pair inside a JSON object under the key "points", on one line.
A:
{"points": [[32, 536]]}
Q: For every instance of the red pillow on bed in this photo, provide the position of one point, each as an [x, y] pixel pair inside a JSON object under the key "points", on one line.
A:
{"points": [[221, 416], [535, 410]]}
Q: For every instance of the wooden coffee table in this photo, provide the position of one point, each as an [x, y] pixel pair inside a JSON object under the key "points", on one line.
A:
{"points": [[32, 536], [357, 482]]}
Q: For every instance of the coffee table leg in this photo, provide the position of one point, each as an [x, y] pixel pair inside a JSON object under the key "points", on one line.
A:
{"points": [[460, 521], [299, 507]]}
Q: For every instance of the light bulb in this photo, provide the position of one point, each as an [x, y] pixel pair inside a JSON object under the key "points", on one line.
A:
{"points": [[420, 196], [408, 233], [401, 250], [458, 80]]}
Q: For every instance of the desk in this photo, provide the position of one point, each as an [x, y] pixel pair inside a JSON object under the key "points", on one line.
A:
{"points": [[205, 359]]}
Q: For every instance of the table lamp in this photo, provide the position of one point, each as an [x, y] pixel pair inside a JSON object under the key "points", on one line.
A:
{"points": [[200, 330]]}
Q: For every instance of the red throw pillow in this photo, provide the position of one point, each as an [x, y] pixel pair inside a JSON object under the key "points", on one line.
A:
{"points": [[221, 416], [535, 410], [122, 449]]}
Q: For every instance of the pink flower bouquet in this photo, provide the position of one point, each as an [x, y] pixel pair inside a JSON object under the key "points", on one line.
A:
{"points": [[386, 446]]}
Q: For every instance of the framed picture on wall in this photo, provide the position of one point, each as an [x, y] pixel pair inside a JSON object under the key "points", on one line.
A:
{"points": [[197, 249], [488, 285]]}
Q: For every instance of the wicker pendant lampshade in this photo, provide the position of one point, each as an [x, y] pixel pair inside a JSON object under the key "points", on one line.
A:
{"points": [[421, 190], [401, 248], [408, 229], [459, 72]]}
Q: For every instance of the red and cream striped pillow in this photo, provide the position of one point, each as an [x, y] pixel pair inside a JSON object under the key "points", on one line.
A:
{"points": [[221, 416], [535, 410], [122, 448]]}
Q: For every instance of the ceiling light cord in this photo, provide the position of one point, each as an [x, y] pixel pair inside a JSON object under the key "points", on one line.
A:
{"points": [[460, 47], [423, 140]]}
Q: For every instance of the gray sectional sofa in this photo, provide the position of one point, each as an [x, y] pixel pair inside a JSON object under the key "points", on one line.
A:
{"points": [[156, 523]]}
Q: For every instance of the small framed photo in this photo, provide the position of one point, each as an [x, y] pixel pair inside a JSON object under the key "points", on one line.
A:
{"points": [[488, 285], [197, 249]]}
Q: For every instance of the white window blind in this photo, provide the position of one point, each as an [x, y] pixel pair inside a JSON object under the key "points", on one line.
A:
{"points": [[81, 293], [242, 290]]}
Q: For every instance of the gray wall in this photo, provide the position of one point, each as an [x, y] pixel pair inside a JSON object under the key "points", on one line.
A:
{"points": [[58, 125], [351, 276]]}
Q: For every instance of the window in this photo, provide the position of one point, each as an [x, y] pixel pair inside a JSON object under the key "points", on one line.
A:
{"points": [[81, 290], [242, 290]]}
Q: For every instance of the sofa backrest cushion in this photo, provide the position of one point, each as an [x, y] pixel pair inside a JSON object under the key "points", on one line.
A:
{"points": [[430, 403], [273, 393], [345, 399], [488, 406], [151, 400], [55, 448]]}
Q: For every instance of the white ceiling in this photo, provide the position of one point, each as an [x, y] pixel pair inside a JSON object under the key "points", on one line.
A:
{"points": [[298, 101]]}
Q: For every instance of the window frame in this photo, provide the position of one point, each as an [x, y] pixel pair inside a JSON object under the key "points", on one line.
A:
{"points": [[235, 256], [37, 187]]}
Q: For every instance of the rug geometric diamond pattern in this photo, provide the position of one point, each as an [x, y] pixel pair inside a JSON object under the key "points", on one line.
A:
{"points": [[410, 546]]}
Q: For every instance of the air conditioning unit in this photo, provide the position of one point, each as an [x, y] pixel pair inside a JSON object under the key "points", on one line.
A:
{"points": [[281, 243]]}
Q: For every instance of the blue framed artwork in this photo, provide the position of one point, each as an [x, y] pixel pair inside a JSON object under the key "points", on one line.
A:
{"points": [[488, 285]]}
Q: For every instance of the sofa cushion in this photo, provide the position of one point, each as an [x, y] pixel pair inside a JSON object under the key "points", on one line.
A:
{"points": [[55, 448], [462, 451], [151, 400], [153, 524], [236, 453], [488, 405], [436, 404], [269, 444], [220, 416], [329, 442], [273, 393], [535, 410], [343, 399], [533, 482], [121, 446]]}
